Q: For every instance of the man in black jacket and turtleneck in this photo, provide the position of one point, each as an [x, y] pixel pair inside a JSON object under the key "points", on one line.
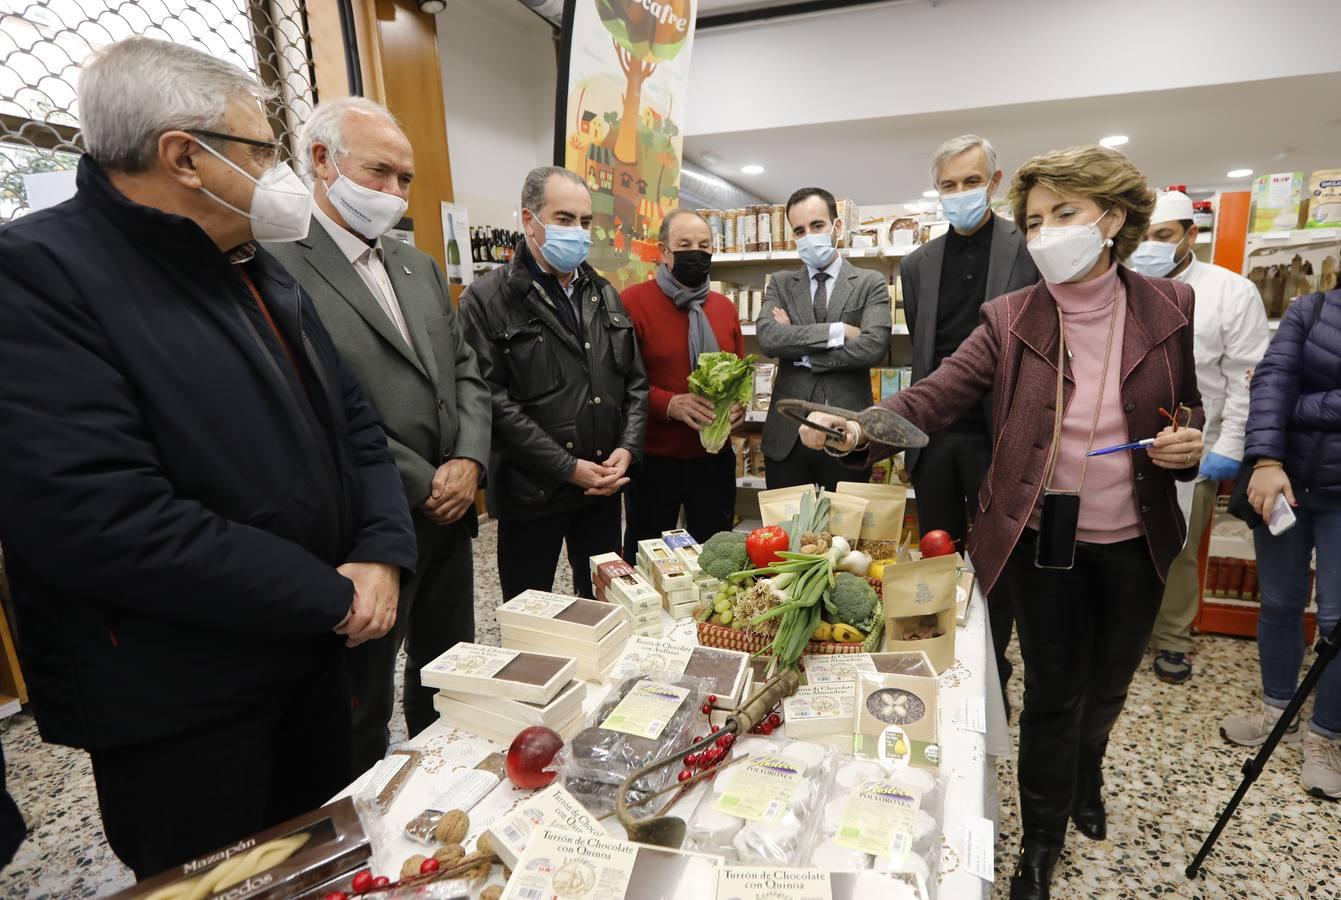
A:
{"points": [[197, 503]]}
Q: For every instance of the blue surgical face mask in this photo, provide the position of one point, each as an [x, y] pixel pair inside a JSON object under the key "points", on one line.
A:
{"points": [[1155, 259], [566, 246], [965, 210], [815, 249]]}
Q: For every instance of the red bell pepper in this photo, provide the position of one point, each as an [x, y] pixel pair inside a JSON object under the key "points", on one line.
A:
{"points": [[764, 543]]}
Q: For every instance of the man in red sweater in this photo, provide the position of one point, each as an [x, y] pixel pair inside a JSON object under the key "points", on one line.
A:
{"points": [[676, 318]]}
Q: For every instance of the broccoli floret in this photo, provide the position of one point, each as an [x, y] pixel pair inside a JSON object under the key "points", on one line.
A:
{"points": [[724, 554], [854, 601]]}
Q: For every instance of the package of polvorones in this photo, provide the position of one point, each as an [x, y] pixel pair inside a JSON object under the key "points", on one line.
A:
{"points": [[882, 525], [919, 599], [776, 507], [761, 807], [642, 720]]}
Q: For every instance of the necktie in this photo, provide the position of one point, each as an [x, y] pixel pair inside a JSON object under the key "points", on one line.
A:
{"points": [[821, 297]]}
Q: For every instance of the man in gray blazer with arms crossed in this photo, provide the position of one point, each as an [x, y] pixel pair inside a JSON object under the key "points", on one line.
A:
{"points": [[389, 311], [827, 324]]}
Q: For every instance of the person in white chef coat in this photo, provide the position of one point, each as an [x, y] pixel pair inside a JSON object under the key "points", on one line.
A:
{"points": [[1231, 335]]}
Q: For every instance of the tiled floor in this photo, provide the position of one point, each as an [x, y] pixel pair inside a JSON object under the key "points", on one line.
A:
{"points": [[1168, 772]]}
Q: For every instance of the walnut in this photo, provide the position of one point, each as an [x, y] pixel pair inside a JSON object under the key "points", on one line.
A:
{"points": [[411, 867], [492, 892], [452, 827], [478, 872], [449, 854], [482, 844]]}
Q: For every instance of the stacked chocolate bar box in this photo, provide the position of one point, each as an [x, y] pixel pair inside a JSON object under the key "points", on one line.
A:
{"points": [[615, 581]]}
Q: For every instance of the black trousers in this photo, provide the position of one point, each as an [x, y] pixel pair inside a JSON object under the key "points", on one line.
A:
{"points": [[167, 801], [806, 466], [528, 551], [1083, 633], [12, 827], [436, 612], [949, 472], [705, 487]]}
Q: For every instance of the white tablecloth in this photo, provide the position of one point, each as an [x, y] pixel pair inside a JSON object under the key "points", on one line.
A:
{"points": [[967, 760]]}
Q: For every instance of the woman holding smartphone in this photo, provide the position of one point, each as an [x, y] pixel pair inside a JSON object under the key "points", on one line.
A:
{"points": [[1092, 357], [1294, 438]]}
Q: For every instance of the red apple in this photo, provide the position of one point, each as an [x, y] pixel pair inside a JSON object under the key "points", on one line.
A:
{"points": [[531, 751], [936, 543]]}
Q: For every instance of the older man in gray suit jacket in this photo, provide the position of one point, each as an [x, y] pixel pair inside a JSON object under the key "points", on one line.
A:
{"points": [[389, 311], [827, 324], [945, 283]]}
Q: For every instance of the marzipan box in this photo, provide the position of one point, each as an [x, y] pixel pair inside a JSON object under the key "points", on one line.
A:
{"points": [[556, 614], [499, 672], [321, 846], [552, 808], [776, 883], [589, 867]]}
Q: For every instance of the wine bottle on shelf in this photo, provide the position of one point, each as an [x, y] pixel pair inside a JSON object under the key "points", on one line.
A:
{"points": [[454, 275]]}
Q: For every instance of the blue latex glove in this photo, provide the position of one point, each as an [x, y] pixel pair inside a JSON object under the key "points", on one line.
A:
{"points": [[1218, 468]]}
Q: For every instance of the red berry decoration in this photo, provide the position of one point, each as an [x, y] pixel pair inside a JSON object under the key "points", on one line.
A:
{"points": [[685, 775], [691, 759], [363, 881], [698, 740], [766, 728], [337, 895], [716, 728], [724, 741], [775, 720], [712, 699], [427, 866], [380, 881], [705, 709]]}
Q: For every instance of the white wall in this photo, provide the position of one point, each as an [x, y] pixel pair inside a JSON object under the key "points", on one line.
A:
{"points": [[964, 54], [498, 78]]}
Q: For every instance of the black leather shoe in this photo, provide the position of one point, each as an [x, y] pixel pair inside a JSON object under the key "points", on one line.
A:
{"points": [[1087, 810], [1033, 872]]}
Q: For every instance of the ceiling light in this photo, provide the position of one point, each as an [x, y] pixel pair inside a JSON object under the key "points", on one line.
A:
{"points": [[752, 169], [1114, 140], [931, 195], [1238, 173]]}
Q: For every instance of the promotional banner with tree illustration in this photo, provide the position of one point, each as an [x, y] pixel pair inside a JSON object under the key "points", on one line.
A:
{"points": [[627, 75]]}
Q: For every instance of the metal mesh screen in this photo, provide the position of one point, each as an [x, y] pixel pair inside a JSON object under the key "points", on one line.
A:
{"points": [[43, 44]]}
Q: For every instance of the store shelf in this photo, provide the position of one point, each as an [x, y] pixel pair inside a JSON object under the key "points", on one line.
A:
{"points": [[1266, 241], [730, 259]]}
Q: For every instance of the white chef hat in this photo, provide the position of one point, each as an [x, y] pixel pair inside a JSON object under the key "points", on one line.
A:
{"points": [[1171, 206]]}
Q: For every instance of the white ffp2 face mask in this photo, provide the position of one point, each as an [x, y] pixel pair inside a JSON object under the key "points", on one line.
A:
{"points": [[1156, 258], [281, 205], [1063, 254], [370, 213]]}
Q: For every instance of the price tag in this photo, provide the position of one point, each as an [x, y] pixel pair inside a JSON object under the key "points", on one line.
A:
{"points": [[980, 848], [973, 715]]}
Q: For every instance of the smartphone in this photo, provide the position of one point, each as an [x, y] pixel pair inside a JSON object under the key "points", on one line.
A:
{"points": [[1058, 522], [1282, 517]]}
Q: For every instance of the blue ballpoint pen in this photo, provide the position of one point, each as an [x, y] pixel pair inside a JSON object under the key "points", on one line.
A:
{"points": [[1134, 445]]}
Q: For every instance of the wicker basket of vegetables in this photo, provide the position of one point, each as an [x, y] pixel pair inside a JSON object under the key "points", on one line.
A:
{"points": [[814, 598]]}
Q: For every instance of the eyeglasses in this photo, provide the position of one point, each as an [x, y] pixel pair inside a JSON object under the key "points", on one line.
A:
{"points": [[1181, 410], [271, 146]]}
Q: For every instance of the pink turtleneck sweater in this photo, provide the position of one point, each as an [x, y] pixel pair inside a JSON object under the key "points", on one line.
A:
{"points": [[1108, 508]]}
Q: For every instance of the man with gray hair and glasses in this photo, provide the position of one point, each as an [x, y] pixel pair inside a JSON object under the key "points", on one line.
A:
{"points": [[197, 504], [390, 313], [945, 282], [569, 392]]}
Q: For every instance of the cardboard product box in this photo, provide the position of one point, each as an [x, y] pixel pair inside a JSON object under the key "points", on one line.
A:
{"points": [[588, 867], [653, 631], [499, 672], [829, 668], [850, 215], [875, 384], [591, 659], [775, 883], [919, 602], [309, 852], [490, 725], [1324, 199], [553, 808], [607, 560], [964, 591], [819, 711], [688, 555], [678, 537], [565, 705], [896, 719], [738, 450], [569, 618], [1278, 202]]}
